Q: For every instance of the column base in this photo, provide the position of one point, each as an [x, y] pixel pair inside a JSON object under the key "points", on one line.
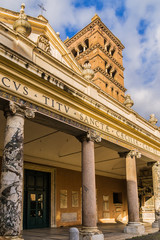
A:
{"points": [[155, 224], [90, 233], [11, 238], [134, 228]]}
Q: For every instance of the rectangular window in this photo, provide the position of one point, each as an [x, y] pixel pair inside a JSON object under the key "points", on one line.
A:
{"points": [[117, 197]]}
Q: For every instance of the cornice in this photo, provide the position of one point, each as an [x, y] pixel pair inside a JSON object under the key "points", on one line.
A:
{"points": [[97, 45], [98, 69], [63, 86], [63, 50], [89, 27], [15, 15]]}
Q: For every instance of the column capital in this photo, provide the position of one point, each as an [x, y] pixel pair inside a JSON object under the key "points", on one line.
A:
{"points": [[132, 153], [15, 109], [91, 135], [155, 163]]}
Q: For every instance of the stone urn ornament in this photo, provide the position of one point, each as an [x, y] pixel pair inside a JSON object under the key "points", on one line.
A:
{"points": [[153, 120], [22, 25], [128, 101], [87, 72]]}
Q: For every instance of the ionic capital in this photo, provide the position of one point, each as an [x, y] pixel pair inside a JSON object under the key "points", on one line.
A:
{"points": [[15, 109], [153, 164], [90, 136], [132, 153], [93, 136]]}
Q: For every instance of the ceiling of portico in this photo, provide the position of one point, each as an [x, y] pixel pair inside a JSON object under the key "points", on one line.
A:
{"points": [[51, 147]]}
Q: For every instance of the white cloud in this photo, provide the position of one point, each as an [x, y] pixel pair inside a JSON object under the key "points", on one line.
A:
{"points": [[142, 52]]}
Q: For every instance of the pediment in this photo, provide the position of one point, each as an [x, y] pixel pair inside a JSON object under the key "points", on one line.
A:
{"points": [[44, 36]]}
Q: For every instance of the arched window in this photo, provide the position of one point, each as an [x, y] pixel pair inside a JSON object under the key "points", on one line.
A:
{"points": [[86, 62], [117, 95], [114, 73], [80, 48], [109, 69], [108, 47], [112, 51], [112, 89], [86, 43], [74, 53]]}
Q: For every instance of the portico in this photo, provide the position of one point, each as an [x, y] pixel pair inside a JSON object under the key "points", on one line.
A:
{"points": [[39, 156]]}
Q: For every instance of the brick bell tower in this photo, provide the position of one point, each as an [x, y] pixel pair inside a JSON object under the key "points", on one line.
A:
{"points": [[97, 45]]}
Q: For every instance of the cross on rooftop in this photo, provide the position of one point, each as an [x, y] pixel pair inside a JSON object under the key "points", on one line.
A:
{"points": [[42, 8]]}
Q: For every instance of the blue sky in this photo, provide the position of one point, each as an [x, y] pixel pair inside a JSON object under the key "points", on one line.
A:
{"points": [[135, 22]]}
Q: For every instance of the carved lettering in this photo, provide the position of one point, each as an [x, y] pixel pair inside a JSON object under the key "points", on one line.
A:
{"points": [[59, 106], [16, 86], [66, 108], [25, 90], [46, 99], [4, 80]]}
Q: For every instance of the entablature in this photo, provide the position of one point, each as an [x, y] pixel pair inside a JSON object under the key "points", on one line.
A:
{"points": [[89, 97]]}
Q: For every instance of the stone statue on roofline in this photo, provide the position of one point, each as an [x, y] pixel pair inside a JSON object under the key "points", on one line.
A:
{"points": [[87, 72], [128, 101], [22, 25], [153, 120]]}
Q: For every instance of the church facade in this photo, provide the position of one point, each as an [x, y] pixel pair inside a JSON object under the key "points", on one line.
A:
{"points": [[72, 149]]}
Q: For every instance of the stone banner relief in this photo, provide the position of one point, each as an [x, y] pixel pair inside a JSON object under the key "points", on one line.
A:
{"points": [[58, 106]]}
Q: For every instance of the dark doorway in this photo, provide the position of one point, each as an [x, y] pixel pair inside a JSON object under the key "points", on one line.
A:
{"points": [[36, 199]]}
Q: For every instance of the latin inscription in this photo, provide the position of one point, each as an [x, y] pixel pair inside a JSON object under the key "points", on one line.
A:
{"points": [[64, 109]]}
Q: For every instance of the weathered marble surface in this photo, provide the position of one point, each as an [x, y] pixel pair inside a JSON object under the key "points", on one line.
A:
{"points": [[12, 177], [12, 171]]}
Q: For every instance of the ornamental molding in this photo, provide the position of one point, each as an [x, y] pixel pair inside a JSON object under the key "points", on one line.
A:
{"points": [[15, 109], [97, 45], [43, 43], [98, 69], [132, 153], [91, 135], [89, 27], [38, 71]]}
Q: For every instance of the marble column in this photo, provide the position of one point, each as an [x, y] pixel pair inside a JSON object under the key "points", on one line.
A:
{"points": [[156, 190], [12, 172], [133, 226], [89, 214]]}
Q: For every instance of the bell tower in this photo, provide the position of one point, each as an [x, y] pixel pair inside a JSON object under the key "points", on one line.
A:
{"points": [[97, 45]]}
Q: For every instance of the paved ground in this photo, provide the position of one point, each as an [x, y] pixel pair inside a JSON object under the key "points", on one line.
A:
{"points": [[111, 231], [153, 236]]}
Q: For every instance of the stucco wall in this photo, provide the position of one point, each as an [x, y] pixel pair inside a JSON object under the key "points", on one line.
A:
{"points": [[71, 181]]}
